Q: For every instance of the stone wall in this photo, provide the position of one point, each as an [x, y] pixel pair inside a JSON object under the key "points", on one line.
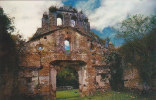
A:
{"points": [[102, 78], [67, 15], [132, 79], [45, 54]]}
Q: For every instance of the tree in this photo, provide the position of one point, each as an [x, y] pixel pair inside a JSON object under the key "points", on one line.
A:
{"points": [[113, 60], [9, 46], [68, 77], [135, 27], [138, 32]]}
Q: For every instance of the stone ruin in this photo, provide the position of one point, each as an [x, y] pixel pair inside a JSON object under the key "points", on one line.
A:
{"points": [[44, 54]]}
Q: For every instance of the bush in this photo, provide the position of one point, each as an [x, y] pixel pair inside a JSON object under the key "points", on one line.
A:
{"points": [[52, 9]]}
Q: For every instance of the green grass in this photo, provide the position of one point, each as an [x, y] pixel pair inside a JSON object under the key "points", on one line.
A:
{"points": [[111, 95]]}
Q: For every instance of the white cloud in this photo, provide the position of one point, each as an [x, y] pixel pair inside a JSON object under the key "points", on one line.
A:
{"points": [[112, 12], [27, 14], [86, 6]]}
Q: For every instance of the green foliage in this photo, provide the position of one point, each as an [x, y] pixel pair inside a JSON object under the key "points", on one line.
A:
{"points": [[86, 20], [113, 57], [142, 54], [111, 95], [52, 9], [45, 16], [139, 49], [9, 46], [96, 36], [135, 27], [107, 39], [67, 77], [8, 57], [5, 23], [74, 10], [114, 61], [74, 18], [103, 76]]}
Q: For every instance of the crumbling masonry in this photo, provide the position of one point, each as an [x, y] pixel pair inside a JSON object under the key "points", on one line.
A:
{"points": [[44, 54]]}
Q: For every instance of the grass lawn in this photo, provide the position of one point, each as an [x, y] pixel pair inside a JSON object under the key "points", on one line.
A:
{"points": [[111, 95]]}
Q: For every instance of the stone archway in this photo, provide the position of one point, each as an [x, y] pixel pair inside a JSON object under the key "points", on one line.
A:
{"points": [[55, 67]]}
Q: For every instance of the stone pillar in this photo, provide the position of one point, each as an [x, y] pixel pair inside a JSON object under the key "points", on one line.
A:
{"points": [[52, 82], [52, 19], [80, 74], [82, 81], [66, 20]]}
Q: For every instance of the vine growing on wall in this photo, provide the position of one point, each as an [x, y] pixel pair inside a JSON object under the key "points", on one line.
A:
{"points": [[113, 60]]}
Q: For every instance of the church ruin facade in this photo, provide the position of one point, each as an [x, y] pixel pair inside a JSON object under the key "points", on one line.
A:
{"points": [[45, 53]]}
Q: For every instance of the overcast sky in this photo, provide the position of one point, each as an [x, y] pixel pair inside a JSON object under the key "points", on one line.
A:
{"points": [[102, 14]]}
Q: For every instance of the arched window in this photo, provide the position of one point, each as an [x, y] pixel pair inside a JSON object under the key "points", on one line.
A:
{"points": [[59, 21], [73, 21], [67, 45]]}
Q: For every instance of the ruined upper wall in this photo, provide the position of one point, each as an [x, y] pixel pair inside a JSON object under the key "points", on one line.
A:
{"points": [[68, 16]]}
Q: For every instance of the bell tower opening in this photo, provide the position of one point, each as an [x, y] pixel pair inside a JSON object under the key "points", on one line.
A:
{"points": [[73, 21], [59, 20]]}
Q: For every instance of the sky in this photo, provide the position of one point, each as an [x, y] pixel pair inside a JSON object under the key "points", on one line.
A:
{"points": [[102, 14]]}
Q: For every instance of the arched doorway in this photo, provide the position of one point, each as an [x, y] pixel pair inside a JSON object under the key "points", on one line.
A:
{"points": [[73, 66], [67, 78]]}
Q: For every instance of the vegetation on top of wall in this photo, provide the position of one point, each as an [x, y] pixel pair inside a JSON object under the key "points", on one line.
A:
{"points": [[74, 17], [59, 15], [45, 16], [53, 9], [75, 10], [100, 40], [86, 20], [81, 12]]}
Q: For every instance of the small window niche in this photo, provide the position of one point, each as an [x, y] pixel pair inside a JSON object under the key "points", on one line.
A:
{"points": [[91, 47], [39, 47], [67, 45]]}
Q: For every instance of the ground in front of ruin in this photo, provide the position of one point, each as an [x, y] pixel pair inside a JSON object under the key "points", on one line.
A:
{"points": [[111, 95]]}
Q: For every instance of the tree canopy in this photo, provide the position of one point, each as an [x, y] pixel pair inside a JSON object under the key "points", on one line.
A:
{"points": [[139, 34]]}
